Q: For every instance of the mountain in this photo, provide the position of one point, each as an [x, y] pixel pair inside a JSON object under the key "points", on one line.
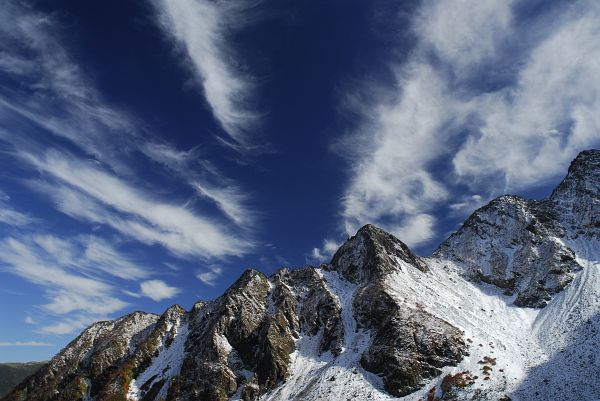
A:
{"points": [[12, 374], [507, 308]]}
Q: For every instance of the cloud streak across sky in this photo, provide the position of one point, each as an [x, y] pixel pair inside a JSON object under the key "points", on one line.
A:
{"points": [[106, 207], [82, 154], [472, 107], [202, 28]]}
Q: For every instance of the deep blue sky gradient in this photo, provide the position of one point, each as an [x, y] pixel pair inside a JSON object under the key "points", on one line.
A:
{"points": [[304, 57]]}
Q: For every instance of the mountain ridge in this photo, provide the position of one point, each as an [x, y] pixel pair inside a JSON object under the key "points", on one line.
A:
{"points": [[378, 322]]}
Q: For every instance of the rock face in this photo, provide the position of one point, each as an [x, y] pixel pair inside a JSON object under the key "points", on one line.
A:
{"points": [[521, 246], [242, 342], [409, 345], [89, 362], [529, 259], [577, 198], [377, 315]]}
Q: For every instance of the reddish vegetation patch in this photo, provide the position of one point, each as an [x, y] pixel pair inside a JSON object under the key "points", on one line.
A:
{"points": [[459, 380], [450, 385]]}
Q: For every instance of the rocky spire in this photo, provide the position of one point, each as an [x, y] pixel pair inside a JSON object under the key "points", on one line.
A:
{"points": [[577, 197], [373, 253], [519, 244]]}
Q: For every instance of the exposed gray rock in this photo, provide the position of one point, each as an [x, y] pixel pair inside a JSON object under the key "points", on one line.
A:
{"points": [[241, 343], [88, 361], [409, 346], [372, 253], [577, 197], [516, 245]]}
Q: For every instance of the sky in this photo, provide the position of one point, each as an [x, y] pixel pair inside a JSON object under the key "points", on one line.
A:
{"points": [[152, 150]]}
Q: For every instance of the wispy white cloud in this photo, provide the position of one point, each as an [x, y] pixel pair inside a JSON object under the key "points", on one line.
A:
{"points": [[71, 324], [202, 28], [391, 185], [77, 275], [158, 290], [25, 344], [88, 192], [231, 200], [59, 98], [324, 253], [210, 184], [13, 217], [440, 125], [532, 130], [210, 277], [68, 291]]}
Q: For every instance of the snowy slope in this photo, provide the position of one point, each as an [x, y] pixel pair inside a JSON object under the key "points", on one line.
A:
{"points": [[164, 366], [569, 332], [508, 308], [325, 377]]}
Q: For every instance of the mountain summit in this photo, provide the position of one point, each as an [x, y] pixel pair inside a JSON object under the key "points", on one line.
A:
{"points": [[507, 308]]}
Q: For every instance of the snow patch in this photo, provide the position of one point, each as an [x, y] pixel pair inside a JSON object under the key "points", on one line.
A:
{"points": [[164, 366]]}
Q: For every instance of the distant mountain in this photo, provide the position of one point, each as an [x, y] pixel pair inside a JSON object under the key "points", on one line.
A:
{"points": [[12, 374], [507, 308]]}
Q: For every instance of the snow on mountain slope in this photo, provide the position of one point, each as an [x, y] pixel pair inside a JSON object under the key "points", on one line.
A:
{"points": [[164, 366], [508, 308], [568, 330], [493, 326], [315, 376]]}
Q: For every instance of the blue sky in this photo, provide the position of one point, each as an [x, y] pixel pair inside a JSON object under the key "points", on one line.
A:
{"points": [[153, 150]]}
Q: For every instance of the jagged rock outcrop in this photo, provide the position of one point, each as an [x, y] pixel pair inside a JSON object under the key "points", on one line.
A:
{"points": [[242, 339], [409, 345], [372, 253], [87, 363], [577, 197], [510, 243], [521, 245], [377, 311], [242, 342]]}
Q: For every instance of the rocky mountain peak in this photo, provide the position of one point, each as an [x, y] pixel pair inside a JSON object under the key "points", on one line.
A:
{"points": [[521, 245], [373, 253], [584, 173], [577, 197], [377, 322]]}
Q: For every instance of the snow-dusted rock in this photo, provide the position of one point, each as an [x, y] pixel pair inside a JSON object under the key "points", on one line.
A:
{"points": [[516, 246], [377, 323]]}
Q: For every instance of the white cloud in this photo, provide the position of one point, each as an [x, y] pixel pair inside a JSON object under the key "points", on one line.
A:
{"points": [[466, 204], [391, 185], [25, 344], [532, 131], [68, 292], [231, 200], [58, 97], [324, 253], [90, 193], [201, 27], [464, 33], [75, 273], [71, 325], [158, 290], [101, 255], [210, 277], [13, 217], [439, 125]]}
